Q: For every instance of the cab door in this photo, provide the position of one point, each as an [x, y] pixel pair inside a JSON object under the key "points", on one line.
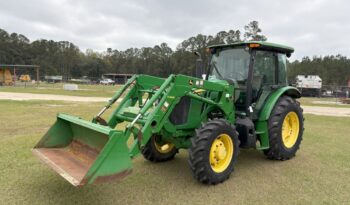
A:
{"points": [[269, 74]]}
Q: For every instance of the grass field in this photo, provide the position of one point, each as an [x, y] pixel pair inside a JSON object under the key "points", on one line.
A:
{"points": [[319, 174], [57, 89]]}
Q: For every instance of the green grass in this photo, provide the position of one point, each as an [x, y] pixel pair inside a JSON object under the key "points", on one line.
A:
{"points": [[84, 90], [319, 174]]}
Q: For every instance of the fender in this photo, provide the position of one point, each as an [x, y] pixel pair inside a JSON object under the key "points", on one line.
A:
{"points": [[273, 98], [261, 126]]}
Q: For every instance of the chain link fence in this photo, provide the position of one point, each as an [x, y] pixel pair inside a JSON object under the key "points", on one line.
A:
{"points": [[335, 91]]}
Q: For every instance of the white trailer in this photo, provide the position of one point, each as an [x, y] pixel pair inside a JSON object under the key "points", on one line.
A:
{"points": [[309, 85]]}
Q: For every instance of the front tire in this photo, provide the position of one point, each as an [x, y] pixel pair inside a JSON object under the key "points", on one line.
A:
{"points": [[286, 126], [214, 151], [157, 151]]}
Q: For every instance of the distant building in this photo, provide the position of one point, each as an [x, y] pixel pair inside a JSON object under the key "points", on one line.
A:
{"points": [[117, 78]]}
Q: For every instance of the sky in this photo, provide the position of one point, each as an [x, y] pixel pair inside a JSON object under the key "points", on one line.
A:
{"points": [[316, 27]]}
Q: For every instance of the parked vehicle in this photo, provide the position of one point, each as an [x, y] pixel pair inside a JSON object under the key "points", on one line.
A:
{"points": [[309, 85], [107, 81], [24, 78]]}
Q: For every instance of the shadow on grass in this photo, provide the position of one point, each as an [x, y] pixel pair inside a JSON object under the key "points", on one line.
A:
{"points": [[146, 182]]}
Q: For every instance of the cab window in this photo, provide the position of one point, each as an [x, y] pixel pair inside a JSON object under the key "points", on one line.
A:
{"points": [[282, 69], [264, 68]]}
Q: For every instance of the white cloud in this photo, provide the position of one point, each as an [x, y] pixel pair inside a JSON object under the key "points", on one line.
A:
{"points": [[316, 27]]}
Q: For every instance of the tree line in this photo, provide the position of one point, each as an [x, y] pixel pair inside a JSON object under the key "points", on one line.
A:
{"points": [[65, 58], [334, 70]]}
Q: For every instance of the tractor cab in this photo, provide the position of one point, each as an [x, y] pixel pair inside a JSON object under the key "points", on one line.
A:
{"points": [[255, 69]]}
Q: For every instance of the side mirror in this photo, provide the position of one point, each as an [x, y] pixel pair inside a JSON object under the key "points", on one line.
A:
{"points": [[199, 65]]}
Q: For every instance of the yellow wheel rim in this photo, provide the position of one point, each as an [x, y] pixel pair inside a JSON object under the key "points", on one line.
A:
{"points": [[164, 148], [221, 153], [290, 129]]}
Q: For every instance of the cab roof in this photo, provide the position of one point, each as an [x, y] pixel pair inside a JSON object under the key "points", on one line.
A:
{"points": [[259, 45]]}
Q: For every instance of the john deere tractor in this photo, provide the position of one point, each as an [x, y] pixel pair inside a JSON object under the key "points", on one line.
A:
{"points": [[242, 101]]}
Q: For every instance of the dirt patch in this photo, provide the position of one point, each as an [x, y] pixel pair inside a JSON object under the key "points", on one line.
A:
{"points": [[31, 96], [327, 111], [317, 110], [327, 102]]}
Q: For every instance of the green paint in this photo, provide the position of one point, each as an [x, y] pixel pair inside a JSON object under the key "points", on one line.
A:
{"points": [[263, 45], [273, 98]]}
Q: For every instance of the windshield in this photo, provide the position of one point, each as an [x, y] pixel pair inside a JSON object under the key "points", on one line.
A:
{"points": [[230, 64]]}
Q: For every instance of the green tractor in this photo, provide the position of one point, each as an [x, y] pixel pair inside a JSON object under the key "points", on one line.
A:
{"points": [[242, 101]]}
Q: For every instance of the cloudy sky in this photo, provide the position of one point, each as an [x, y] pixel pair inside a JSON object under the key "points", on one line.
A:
{"points": [[317, 27]]}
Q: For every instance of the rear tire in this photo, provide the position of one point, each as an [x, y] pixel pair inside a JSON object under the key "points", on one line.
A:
{"points": [[286, 126], [155, 151], [214, 152]]}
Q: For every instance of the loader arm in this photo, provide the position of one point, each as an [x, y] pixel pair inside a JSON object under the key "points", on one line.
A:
{"points": [[86, 152], [148, 104]]}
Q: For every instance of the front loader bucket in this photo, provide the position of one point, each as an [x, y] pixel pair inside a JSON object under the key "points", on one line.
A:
{"points": [[83, 152]]}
